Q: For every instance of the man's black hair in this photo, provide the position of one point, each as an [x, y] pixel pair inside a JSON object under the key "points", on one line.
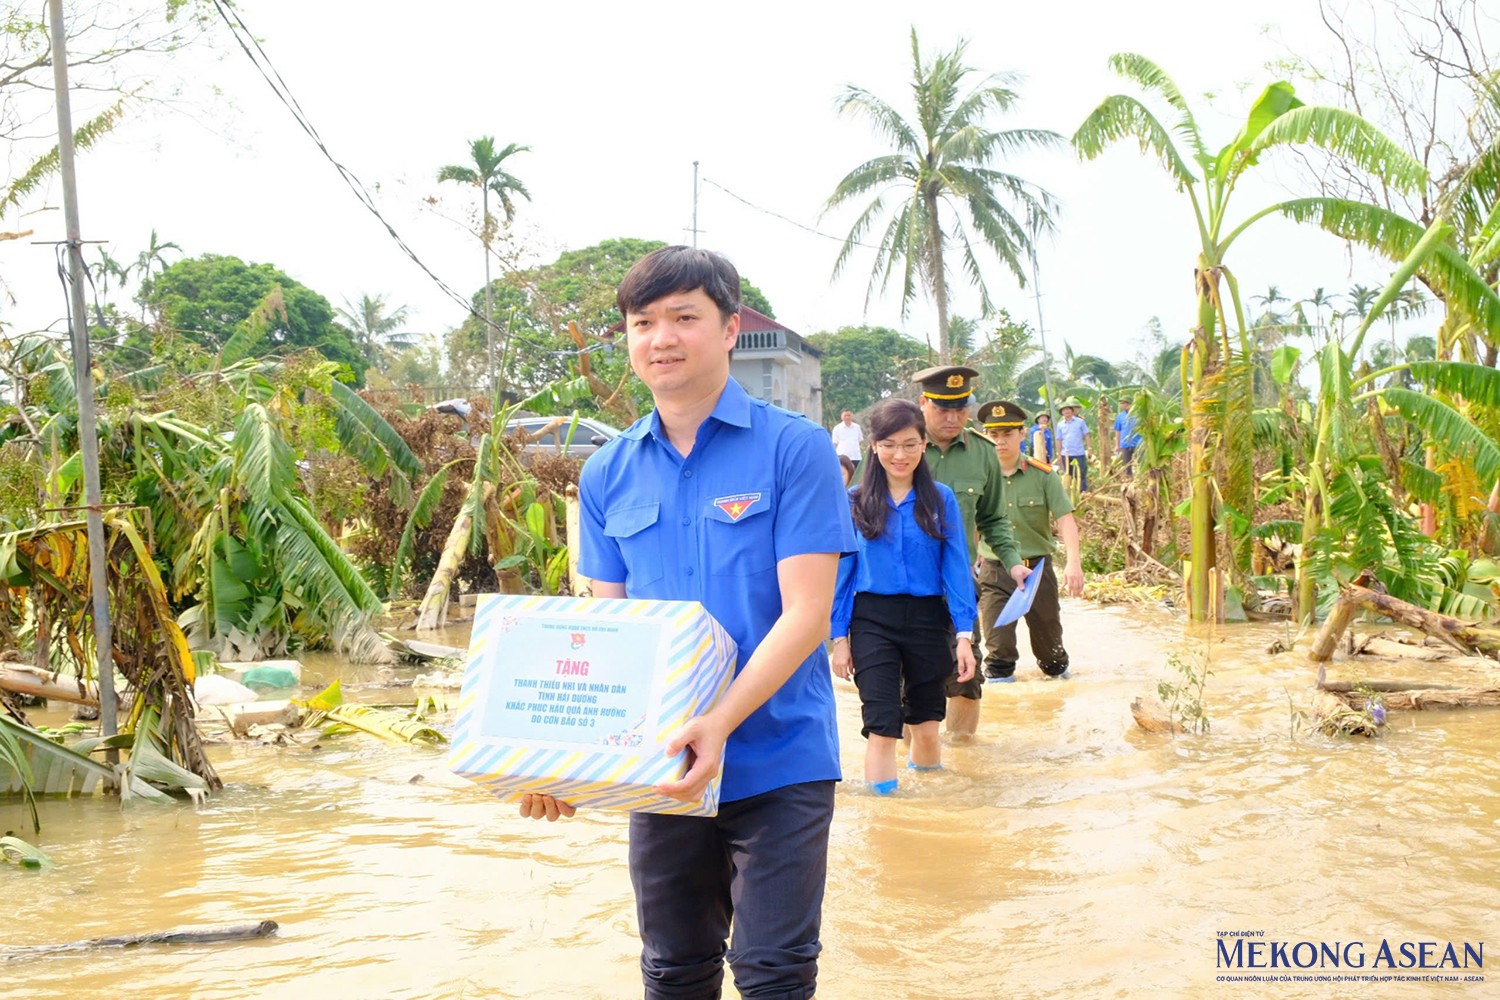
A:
{"points": [[671, 270]]}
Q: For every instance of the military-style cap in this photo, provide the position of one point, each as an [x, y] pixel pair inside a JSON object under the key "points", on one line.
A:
{"points": [[1072, 401], [1001, 414], [948, 386]]}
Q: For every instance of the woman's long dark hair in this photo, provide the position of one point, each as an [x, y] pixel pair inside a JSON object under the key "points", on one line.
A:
{"points": [[871, 499]]}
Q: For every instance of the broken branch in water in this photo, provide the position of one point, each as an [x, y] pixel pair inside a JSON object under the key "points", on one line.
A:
{"points": [[191, 935], [1461, 635]]}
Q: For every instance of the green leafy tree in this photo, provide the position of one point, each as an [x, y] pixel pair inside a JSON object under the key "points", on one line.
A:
{"points": [[1008, 350], [486, 172], [215, 301], [951, 195], [863, 365], [539, 306]]}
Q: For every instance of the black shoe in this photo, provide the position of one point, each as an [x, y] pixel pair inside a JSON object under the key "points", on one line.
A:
{"points": [[993, 674]]}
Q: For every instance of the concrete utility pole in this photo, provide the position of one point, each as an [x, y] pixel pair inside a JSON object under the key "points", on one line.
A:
{"points": [[695, 203], [1041, 332], [83, 378]]}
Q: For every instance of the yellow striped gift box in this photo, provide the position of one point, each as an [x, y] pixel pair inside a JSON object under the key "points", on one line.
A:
{"points": [[574, 697]]}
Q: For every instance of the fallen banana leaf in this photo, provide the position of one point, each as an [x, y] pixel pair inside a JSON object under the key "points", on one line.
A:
{"points": [[386, 725], [55, 769], [16, 850], [325, 700]]}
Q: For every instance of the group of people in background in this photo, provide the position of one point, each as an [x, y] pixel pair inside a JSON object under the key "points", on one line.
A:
{"points": [[1073, 433], [950, 520]]}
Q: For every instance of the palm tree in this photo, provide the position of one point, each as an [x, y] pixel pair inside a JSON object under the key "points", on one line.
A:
{"points": [[942, 167], [487, 173], [1088, 370], [1361, 297], [1268, 303], [1320, 300], [1219, 376], [373, 326], [106, 268], [151, 259]]}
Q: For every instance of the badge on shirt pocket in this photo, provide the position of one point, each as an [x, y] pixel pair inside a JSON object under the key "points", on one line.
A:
{"points": [[740, 541]]}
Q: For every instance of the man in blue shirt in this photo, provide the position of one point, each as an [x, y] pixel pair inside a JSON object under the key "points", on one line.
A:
{"points": [[1072, 443], [719, 498], [1127, 437]]}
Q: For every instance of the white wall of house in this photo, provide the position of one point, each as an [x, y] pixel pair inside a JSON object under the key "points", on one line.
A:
{"points": [[789, 378]]}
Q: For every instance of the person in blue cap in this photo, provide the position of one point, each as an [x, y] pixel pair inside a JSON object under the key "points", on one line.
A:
{"points": [[726, 500]]}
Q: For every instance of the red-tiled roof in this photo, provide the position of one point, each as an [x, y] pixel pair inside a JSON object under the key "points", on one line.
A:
{"points": [[754, 321]]}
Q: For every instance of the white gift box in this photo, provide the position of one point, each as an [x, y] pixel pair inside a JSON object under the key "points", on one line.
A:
{"points": [[574, 697]]}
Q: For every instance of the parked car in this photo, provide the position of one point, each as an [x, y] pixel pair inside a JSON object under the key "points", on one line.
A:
{"points": [[588, 437]]}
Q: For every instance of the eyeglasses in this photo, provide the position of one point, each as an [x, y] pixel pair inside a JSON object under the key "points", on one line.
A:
{"points": [[906, 448]]}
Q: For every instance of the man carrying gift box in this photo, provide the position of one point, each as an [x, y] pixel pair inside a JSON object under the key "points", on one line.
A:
{"points": [[726, 500]]}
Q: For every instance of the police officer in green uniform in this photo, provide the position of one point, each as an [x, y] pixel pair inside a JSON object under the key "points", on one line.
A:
{"points": [[964, 460], [1034, 498]]}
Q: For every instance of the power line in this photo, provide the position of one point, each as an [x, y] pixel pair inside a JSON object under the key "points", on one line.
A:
{"points": [[777, 215], [273, 78]]}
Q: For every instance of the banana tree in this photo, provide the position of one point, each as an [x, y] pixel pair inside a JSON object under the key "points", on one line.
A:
{"points": [[500, 510], [1216, 370], [1433, 257], [214, 456], [48, 566]]}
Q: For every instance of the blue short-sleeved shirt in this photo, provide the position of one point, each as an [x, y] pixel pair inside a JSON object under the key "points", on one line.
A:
{"points": [[1026, 445], [907, 560], [1125, 425], [1071, 435], [760, 485]]}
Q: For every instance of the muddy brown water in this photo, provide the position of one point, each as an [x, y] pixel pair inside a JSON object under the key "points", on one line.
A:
{"points": [[1063, 854]]}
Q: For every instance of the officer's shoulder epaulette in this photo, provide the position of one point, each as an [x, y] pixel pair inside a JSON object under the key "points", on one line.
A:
{"points": [[1038, 464]]}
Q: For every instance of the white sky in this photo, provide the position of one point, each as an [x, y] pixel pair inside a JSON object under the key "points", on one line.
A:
{"points": [[617, 100]]}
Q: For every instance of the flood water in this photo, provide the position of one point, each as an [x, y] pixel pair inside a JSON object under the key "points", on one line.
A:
{"points": [[1065, 853]]}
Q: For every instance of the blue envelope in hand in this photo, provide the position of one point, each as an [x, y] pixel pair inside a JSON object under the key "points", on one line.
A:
{"points": [[1020, 600]]}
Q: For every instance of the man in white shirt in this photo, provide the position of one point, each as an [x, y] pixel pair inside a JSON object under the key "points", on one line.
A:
{"points": [[847, 437]]}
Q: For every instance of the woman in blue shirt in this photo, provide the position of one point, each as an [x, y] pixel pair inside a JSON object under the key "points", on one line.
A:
{"points": [[905, 600]]}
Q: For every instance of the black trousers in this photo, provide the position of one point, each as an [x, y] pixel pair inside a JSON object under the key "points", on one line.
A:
{"points": [[904, 650], [761, 863], [1043, 622]]}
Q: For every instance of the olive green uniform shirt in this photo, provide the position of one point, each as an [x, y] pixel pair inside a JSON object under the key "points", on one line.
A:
{"points": [[971, 469], [1034, 498]]}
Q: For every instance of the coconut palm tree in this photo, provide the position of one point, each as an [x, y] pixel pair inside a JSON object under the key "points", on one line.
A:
{"points": [[1218, 371], [487, 173], [1321, 300], [942, 167], [106, 269], [374, 327], [149, 261]]}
